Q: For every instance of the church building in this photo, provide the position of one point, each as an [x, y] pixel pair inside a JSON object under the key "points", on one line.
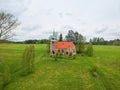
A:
{"points": [[65, 48]]}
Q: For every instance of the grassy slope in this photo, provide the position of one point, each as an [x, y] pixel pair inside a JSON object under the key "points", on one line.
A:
{"points": [[64, 74]]}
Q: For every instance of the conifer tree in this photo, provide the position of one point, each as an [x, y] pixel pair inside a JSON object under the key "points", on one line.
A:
{"points": [[60, 38]]}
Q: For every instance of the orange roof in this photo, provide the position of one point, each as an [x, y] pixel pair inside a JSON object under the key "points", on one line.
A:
{"points": [[62, 45]]}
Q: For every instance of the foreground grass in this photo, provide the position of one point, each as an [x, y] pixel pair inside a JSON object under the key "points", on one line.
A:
{"points": [[66, 73]]}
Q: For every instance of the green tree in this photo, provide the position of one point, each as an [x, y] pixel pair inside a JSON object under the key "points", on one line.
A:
{"points": [[89, 51], [24, 61], [70, 37], [5, 73], [77, 39], [32, 58], [80, 44], [28, 60], [97, 41]]}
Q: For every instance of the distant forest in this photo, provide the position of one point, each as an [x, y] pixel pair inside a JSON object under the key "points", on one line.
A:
{"points": [[101, 41], [94, 41], [71, 36]]}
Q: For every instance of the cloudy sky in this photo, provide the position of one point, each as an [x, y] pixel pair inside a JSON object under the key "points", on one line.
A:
{"points": [[39, 18]]}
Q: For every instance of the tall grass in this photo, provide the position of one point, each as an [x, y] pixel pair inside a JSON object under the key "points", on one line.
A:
{"points": [[66, 73]]}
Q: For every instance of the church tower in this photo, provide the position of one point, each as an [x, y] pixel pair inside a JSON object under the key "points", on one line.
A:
{"points": [[53, 41]]}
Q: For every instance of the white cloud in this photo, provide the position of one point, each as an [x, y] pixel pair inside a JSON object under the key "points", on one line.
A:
{"points": [[89, 17]]}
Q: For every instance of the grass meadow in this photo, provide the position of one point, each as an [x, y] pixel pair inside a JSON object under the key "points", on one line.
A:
{"points": [[100, 72]]}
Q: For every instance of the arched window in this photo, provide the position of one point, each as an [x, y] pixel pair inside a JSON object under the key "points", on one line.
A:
{"points": [[59, 50], [66, 53], [53, 52]]}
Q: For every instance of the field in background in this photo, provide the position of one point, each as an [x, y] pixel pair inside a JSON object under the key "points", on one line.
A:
{"points": [[64, 74]]}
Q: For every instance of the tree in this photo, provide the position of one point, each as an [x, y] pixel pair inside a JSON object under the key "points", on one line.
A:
{"points": [[5, 72], [28, 60], [97, 41], [80, 44], [89, 51], [70, 37], [77, 39], [7, 24], [60, 38]]}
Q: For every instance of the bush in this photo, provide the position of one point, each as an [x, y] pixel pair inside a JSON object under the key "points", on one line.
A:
{"points": [[70, 54], [74, 56], [5, 73], [89, 51], [28, 60], [80, 48]]}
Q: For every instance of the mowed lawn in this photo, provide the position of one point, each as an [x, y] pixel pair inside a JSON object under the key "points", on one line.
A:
{"points": [[100, 72]]}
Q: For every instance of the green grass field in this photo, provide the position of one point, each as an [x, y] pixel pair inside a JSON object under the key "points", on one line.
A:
{"points": [[66, 73]]}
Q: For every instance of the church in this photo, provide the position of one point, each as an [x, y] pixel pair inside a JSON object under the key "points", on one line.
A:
{"points": [[63, 47]]}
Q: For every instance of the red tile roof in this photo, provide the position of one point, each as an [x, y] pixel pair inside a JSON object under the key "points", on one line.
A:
{"points": [[62, 45]]}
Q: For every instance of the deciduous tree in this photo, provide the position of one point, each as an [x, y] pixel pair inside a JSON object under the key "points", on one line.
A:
{"points": [[7, 24]]}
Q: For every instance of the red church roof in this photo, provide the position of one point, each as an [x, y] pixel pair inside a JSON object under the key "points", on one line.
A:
{"points": [[61, 45]]}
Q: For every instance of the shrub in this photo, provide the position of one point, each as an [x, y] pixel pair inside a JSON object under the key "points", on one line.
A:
{"points": [[28, 60], [32, 58], [70, 54], [5, 73], [89, 51]]}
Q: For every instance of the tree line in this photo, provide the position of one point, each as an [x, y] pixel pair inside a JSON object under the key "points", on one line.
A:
{"points": [[101, 41], [42, 41]]}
